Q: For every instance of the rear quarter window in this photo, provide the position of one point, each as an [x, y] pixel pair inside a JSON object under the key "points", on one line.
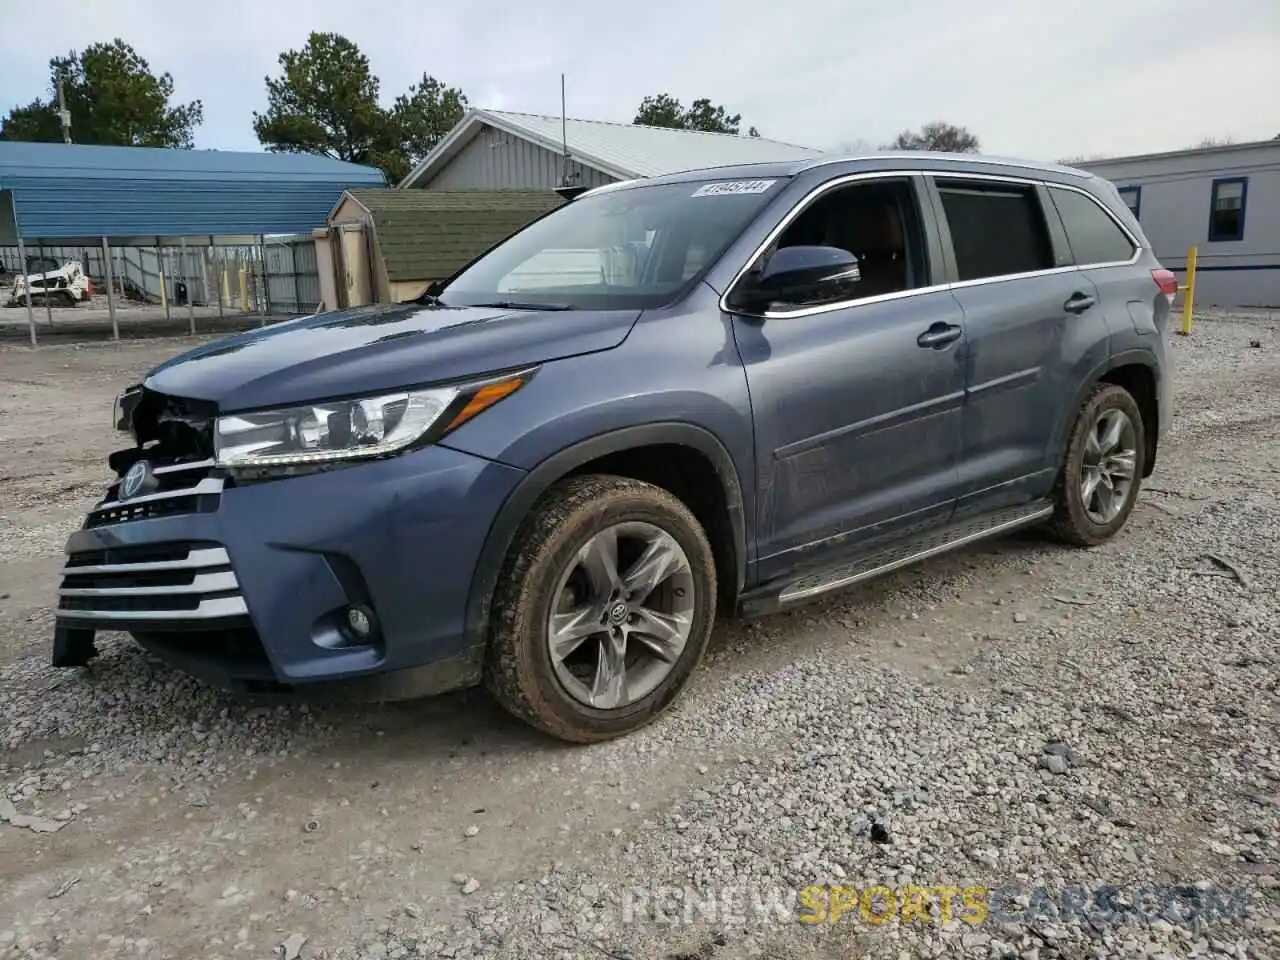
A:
{"points": [[1093, 234]]}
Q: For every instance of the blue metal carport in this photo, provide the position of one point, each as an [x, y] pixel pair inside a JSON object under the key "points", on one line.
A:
{"points": [[59, 191], [75, 194]]}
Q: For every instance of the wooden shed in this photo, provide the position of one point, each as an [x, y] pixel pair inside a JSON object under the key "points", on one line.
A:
{"points": [[387, 245]]}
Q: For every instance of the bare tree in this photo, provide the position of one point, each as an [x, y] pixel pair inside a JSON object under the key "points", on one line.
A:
{"points": [[937, 136]]}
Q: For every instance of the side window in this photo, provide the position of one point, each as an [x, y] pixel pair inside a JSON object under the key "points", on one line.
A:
{"points": [[1226, 213], [1132, 197], [862, 240], [1093, 234], [997, 229]]}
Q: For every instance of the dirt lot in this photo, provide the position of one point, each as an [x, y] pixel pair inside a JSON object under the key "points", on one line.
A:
{"points": [[1016, 714]]}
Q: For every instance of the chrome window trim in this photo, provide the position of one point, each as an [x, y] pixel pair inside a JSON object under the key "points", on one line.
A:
{"points": [[1049, 185], [809, 198], [845, 304], [803, 204], [1137, 246]]}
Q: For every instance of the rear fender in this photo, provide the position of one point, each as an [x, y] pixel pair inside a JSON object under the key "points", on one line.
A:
{"points": [[1125, 358]]}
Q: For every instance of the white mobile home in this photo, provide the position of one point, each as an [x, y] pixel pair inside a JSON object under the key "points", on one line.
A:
{"points": [[1223, 200]]}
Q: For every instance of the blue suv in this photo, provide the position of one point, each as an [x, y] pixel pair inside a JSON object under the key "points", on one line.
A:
{"points": [[714, 393]]}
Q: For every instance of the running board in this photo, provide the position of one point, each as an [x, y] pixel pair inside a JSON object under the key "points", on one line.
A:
{"points": [[895, 556]]}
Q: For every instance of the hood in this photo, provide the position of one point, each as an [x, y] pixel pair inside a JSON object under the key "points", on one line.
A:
{"points": [[385, 347]]}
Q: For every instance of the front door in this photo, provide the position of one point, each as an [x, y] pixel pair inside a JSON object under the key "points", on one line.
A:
{"points": [[857, 403]]}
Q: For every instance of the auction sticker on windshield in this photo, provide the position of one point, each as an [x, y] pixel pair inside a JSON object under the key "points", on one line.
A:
{"points": [[732, 187]]}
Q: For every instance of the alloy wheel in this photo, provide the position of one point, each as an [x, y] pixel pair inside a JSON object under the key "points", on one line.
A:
{"points": [[622, 615], [1108, 466]]}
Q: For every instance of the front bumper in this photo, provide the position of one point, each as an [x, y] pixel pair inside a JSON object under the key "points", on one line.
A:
{"points": [[248, 585]]}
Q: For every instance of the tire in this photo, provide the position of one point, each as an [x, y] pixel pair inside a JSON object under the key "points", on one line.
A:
{"points": [[545, 574], [1088, 524]]}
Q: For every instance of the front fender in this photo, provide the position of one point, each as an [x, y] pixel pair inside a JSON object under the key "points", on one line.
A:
{"points": [[538, 480], [677, 379]]}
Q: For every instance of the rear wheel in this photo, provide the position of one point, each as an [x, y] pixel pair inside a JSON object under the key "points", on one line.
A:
{"points": [[1101, 474], [603, 610]]}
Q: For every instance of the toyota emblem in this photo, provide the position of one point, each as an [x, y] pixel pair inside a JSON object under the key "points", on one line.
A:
{"points": [[135, 480]]}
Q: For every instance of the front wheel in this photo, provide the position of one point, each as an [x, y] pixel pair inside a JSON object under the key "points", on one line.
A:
{"points": [[604, 608], [1101, 473]]}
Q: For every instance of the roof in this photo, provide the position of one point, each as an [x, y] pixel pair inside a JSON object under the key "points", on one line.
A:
{"points": [[89, 161], [80, 191], [1218, 150], [621, 150], [428, 234]]}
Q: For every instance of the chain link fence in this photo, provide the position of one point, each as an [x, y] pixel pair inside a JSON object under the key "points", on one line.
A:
{"points": [[161, 290]]}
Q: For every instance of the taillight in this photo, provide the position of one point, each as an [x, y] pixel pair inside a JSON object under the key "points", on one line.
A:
{"points": [[1167, 283]]}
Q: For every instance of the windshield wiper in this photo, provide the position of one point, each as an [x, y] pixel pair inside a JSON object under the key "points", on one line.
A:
{"points": [[519, 305]]}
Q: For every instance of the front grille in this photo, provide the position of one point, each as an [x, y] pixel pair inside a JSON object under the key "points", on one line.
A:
{"points": [[161, 555], [156, 583], [183, 488]]}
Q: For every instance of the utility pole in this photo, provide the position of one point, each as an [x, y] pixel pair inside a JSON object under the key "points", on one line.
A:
{"points": [[564, 135], [63, 113]]}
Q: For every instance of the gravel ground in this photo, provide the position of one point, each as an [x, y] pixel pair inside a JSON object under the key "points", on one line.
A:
{"points": [[1024, 718]]}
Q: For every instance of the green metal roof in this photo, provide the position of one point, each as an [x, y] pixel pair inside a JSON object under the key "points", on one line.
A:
{"points": [[428, 234]]}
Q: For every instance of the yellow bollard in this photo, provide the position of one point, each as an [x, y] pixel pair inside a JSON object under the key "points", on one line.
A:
{"points": [[164, 292], [1189, 291], [226, 286], [244, 291]]}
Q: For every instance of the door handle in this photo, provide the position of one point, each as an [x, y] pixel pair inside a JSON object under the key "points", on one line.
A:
{"points": [[939, 335], [1078, 303]]}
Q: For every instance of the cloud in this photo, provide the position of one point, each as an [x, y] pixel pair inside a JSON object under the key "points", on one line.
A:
{"points": [[1030, 79]]}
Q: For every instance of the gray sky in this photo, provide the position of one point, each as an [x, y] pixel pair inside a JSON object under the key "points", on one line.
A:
{"points": [[1030, 78]]}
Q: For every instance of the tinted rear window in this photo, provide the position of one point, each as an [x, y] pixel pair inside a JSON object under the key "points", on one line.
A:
{"points": [[1092, 233], [996, 229]]}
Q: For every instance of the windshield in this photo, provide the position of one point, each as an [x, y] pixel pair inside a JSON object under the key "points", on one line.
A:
{"points": [[41, 265], [631, 248]]}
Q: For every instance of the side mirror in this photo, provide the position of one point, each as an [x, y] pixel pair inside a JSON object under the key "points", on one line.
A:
{"points": [[808, 266], [802, 275]]}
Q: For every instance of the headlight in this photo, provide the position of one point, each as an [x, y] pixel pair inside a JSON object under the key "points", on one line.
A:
{"points": [[337, 430], [125, 404]]}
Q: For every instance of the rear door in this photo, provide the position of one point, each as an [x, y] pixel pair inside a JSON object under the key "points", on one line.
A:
{"points": [[1029, 314]]}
